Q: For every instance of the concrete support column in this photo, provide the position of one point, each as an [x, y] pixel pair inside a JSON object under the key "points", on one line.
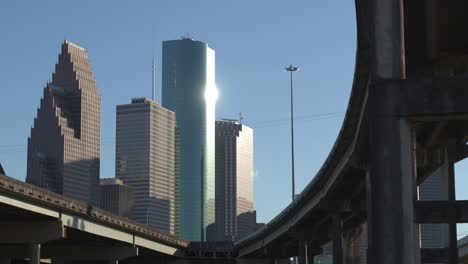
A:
{"points": [[57, 261], [391, 187], [302, 257], [337, 236], [281, 261], [387, 39], [34, 254]]}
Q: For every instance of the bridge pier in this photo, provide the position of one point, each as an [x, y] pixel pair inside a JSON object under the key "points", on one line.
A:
{"points": [[337, 240], [34, 254], [302, 254], [392, 233], [257, 260], [391, 177], [281, 261]]}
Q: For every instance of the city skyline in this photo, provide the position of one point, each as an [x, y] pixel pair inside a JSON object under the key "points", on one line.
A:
{"points": [[251, 53], [148, 139], [121, 54], [375, 153]]}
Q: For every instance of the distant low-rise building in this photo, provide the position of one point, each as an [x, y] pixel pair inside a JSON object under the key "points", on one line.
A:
{"points": [[116, 197]]}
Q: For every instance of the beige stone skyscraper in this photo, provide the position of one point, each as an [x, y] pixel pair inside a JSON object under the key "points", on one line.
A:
{"points": [[145, 161], [64, 146]]}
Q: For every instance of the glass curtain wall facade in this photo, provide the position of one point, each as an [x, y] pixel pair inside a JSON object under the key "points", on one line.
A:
{"points": [[64, 146], [235, 217], [188, 89], [145, 160]]}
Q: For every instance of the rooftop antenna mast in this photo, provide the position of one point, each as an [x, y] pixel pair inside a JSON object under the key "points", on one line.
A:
{"points": [[241, 117], [153, 73]]}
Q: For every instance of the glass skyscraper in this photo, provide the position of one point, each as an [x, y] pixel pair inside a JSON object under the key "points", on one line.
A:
{"points": [[188, 89], [64, 146]]}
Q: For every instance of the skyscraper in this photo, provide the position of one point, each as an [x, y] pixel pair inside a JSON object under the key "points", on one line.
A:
{"points": [[145, 160], [235, 217], [188, 89], [64, 146]]}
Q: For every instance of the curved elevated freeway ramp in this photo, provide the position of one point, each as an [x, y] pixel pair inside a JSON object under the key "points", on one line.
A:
{"points": [[406, 120]]}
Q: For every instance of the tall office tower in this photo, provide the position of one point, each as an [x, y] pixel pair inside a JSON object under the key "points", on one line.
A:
{"points": [[235, 217], [145, 159], [116, 197], [188, 89], [64, 146]]}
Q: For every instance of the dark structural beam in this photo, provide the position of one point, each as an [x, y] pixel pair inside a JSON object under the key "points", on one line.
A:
{"points": [[434, 255], [81, 252], [14, 251], [438, 212], [432, 97], [30, 232]]}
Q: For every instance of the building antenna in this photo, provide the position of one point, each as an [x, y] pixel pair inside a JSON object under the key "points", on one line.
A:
{"points": [[153, 73], [241, 117]]}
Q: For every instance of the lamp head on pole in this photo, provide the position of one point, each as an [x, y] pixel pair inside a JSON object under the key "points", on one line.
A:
{"points": [[291, 68]]}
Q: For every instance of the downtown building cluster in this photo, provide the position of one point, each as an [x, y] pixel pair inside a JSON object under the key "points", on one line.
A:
{"points": [[177, 169]]}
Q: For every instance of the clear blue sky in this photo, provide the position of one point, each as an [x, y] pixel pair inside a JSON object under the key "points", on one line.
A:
{"points": [[253, 40]]}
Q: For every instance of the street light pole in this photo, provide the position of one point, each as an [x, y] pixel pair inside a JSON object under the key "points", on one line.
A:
{"points": [[292, 69]]}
